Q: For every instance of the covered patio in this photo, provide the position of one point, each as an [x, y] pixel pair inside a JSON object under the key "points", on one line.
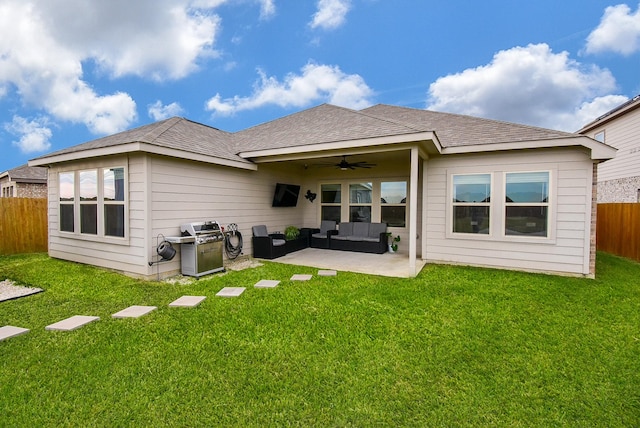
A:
{"points": [[388, 264]]}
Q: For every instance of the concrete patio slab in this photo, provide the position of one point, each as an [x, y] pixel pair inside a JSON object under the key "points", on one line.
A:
{"points": [[231, 292], [10, 331], [267, 283], [187, 301], [327, 273], [387, 264], [134, 311], [301, 277], [71, 323]]}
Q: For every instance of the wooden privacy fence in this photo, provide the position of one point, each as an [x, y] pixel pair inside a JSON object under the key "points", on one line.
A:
{"points": [[23, 225], [618, 229]]}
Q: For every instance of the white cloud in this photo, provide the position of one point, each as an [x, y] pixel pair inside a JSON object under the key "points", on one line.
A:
{"points": [[330, 14], [158, 111], [316, 82], [529, 85], [589, 111], [34, 135], [619, 31], [44, 46], [267, 9]]}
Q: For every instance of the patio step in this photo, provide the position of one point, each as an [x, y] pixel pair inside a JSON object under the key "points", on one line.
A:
{"points": [[9, 331], [134, 311], [71, 323]]}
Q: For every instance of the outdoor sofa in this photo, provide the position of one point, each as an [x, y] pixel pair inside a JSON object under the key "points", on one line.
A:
{"points": [[359, 236]]}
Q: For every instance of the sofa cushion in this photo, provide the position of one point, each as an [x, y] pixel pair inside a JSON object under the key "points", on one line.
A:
{"points": [[375, 229], [260, 230], [327, 225], [340, 237], [346, 229], [361, 229], [354, 238], [319, 235], [278, 242]]}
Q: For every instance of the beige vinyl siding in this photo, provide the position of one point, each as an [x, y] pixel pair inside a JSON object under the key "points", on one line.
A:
{"points": [[566, 250], [623, 133], [183, 191]]}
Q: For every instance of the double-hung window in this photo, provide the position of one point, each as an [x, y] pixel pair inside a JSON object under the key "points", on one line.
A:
{"points": [[66, 183], [393, 203], [526, 204], [89, 202], [360, 200], [330, 201], [472, 203]]}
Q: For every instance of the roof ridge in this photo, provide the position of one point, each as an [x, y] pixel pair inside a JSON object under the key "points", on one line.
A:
{"points": [[395, 122], [161, 127]]}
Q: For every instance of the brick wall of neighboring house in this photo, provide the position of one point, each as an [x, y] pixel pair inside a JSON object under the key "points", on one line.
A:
{"points": [[31, 190], [619, 190]]}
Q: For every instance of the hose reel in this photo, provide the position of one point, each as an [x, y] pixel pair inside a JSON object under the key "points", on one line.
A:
{"points": [[232, 250]]}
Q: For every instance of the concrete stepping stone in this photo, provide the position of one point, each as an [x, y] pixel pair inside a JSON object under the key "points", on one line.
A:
{"points": [[327, 273], [301, 277], [10, 331], [187, 301], [231, 292], [134, 311], [71, 323], [266, 283]]}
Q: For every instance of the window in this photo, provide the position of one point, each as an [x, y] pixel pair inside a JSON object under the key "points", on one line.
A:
{"points": [[67, 198], [113, 194], [360, 202], [89, 202], [526, 204], [330, 200], [393, 203], [99, 209], [599, 136], [471, 203]]}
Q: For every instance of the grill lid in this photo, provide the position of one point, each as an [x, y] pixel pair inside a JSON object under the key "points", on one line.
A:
{"points": [[198, 228]]}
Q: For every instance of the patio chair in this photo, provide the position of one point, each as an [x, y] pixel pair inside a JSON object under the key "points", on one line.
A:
{"points": [[266, 245], [320, 237]]}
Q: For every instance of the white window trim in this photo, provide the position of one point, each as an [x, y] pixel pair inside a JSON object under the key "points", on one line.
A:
{"points": [[497, 205], [480, 204], [551, 208], [100, 236]]}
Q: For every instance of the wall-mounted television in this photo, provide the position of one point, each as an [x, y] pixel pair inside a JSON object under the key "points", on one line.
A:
{"points": [[286, 195]]}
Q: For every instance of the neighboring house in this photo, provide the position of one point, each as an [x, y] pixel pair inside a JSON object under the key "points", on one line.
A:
{"points": [[619, 179], [457, 189], [24, 182]]}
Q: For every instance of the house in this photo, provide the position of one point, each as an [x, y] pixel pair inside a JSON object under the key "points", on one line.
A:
{"points": [[619, 179], [457, 189], [24, 182]]}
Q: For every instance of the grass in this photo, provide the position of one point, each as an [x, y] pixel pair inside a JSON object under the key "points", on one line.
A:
{"points": [[454, 346]]}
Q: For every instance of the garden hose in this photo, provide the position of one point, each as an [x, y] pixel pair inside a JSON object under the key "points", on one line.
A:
{"points": [[232, 250]]}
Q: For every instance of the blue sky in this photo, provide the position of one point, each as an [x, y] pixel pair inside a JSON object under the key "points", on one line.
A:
{"points": [[74, 70]]}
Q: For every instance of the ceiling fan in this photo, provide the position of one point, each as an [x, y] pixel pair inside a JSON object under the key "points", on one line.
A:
{"points": [[345, 165]]}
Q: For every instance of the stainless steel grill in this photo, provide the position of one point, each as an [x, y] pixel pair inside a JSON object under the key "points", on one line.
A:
{"points": [[202, 255]]}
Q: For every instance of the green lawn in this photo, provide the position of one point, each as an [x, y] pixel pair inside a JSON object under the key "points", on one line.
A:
{"points": [[454, 346]]}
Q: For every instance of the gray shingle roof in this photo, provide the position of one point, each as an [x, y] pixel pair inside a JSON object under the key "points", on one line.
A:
{"points": [[322, 124], [28, 174], [454, 130], [174, 133]]}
